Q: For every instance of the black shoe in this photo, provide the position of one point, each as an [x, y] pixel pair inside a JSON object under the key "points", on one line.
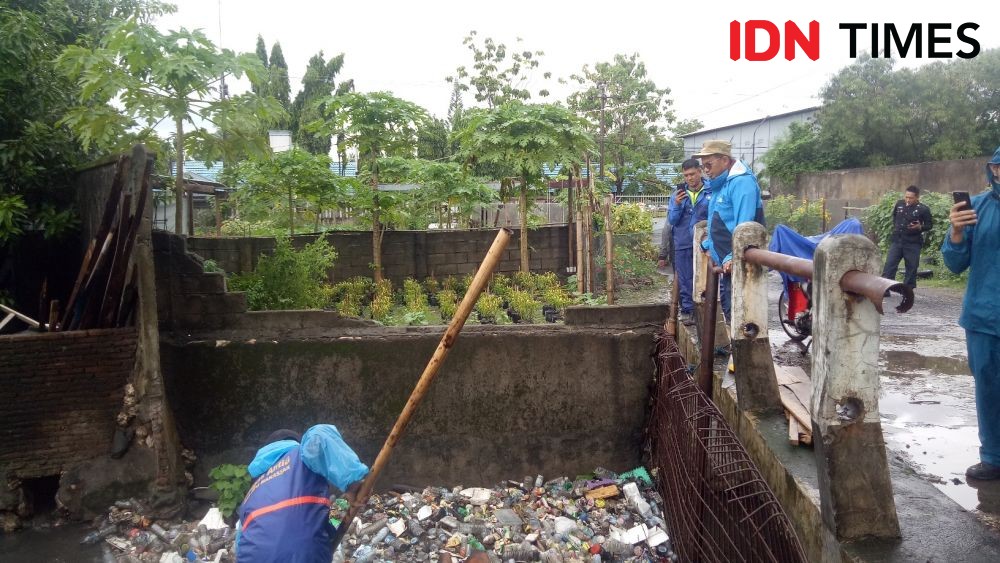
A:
{"points": [[983, 472]]}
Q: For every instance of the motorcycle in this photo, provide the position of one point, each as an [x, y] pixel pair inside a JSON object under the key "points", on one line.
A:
{"points": [[795, 302]]}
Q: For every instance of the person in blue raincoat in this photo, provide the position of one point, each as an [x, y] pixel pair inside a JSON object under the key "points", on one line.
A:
{"points": [[735, 199], [688, 205], [973, 243], [285, 516]]}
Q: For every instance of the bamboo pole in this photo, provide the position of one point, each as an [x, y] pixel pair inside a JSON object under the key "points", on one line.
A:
{"points": [[670, 325], [609, 250], [581, 265], [427, 377]]}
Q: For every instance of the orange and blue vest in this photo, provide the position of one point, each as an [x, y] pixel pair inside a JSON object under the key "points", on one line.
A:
{"points": [[285, 516]]}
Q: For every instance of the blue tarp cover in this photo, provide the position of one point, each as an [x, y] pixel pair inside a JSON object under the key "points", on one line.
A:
{"points": [[786, 241]]}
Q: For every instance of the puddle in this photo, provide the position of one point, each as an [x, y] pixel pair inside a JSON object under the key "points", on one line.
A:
{"points": [[54, 545]]}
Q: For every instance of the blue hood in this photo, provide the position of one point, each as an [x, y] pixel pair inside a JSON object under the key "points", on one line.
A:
{"points": [[269, 455], [990, 180]]}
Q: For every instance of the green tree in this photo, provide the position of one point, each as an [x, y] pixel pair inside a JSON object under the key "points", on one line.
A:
{"points": [[521, 138], [260, 87], [277, 72], [380, 125], [633, 108], [497, 75], [154, 76], [317, 83], [433, 142], [800, 150], [294, 175], [38, 156]]}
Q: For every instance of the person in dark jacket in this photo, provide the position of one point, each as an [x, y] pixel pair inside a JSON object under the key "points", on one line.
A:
{"points": [[910, 220], [688, 205], [972, 244], [286, 514]]}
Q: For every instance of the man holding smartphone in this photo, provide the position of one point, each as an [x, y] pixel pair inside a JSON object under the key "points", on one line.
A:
{"points": [[688, 205], [973, 242], [910, 220]]}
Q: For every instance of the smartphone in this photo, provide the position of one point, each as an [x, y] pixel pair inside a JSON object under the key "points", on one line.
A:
{"points": [[962, 197]]}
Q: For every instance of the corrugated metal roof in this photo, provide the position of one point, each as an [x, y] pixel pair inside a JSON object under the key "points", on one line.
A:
{"points": [[197, 170]]}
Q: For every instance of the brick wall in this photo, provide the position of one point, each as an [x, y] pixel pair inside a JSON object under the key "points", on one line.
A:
{"points": [[417, 254], [186, 295], [60, 393]]}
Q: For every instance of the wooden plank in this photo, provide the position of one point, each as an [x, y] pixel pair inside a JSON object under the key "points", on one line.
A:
{"points": [[11, 312], [793, 431], [788, 375], [796, 408]]}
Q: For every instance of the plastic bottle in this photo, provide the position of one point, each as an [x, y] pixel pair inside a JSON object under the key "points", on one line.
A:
{"points": [[616, 548], [415, 529], [98, 535]]}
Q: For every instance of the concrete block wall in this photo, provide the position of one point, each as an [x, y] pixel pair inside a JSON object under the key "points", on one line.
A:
{"points": [[186, 295], [416, 254], [60, 393]]}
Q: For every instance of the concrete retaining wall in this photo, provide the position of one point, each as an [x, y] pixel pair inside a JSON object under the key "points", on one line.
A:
{"points": [[508, 402]]}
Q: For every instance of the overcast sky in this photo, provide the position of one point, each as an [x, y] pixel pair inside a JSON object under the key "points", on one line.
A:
{"points": [[409, 48]]}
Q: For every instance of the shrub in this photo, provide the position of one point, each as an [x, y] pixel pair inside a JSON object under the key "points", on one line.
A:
{"points": [[524, 305], [556, 297], [431, 286], [414, 298], [548, 280], [501, 285], [382, 301], [452, 283], [288, 278], [489, 306], [525, 281], [232, 483], [447, 303], [630, 218], [351, 295], [211, 266]]}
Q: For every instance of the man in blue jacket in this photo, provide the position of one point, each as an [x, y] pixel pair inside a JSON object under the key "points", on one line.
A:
{"points": [[688, 205], [735, 199], [973, 242], [286, 514]]}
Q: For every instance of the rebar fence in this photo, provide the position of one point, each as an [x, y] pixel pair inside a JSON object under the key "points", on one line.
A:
{"points": [[718, 506]]}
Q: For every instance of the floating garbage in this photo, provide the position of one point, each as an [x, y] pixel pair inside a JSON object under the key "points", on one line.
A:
{"points": [[592, 518]]}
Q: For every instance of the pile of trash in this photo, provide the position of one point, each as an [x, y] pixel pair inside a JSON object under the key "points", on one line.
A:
{"points": [[131, 537], [598, 517]]}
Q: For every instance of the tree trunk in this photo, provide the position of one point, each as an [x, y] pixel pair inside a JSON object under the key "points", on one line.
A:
{"points": [[179, 178], [291, 212], [377, 230], [525, 254]]}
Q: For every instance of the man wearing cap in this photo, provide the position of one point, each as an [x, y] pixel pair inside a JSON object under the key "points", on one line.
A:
{"points": [[735, 199], [972, 243], [286, 514]]}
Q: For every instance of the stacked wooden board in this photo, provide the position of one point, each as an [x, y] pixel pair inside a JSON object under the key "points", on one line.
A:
{"points": [[796, 392]]}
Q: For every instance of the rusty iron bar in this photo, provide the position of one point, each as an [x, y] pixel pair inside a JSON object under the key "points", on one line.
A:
{"points": [[717, 505], [856, 282]]}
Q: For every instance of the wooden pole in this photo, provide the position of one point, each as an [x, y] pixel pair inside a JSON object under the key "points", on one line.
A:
{"points": [[670, 325], [570, 236], [581, 263], [609, 250], [427, 377], [591, 266], [707, 340]]}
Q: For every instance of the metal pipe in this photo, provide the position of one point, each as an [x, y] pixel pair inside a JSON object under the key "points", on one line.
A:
{"points": [[856, 282]]}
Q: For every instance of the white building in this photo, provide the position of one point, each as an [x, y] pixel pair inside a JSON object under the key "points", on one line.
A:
{"points": [[750, 139]]}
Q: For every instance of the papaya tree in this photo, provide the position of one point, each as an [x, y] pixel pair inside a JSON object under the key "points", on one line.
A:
{"points": [[136, 77], [379, 125], [519, 139]]}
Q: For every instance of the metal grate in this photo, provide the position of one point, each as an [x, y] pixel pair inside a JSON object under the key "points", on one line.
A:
{"points": [[718, 506]]}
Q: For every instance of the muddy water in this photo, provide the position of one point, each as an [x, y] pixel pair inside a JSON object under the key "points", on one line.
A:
{"points": [[53, 545]]}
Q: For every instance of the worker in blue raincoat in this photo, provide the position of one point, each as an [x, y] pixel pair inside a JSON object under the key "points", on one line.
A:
{"points": [[973, 242], [736, 199], [688, 205], [285, 516]]}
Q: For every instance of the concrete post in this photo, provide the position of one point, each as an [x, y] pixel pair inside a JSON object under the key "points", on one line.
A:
{"points": [[855, 488], [756, 385], [700, 280]]}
